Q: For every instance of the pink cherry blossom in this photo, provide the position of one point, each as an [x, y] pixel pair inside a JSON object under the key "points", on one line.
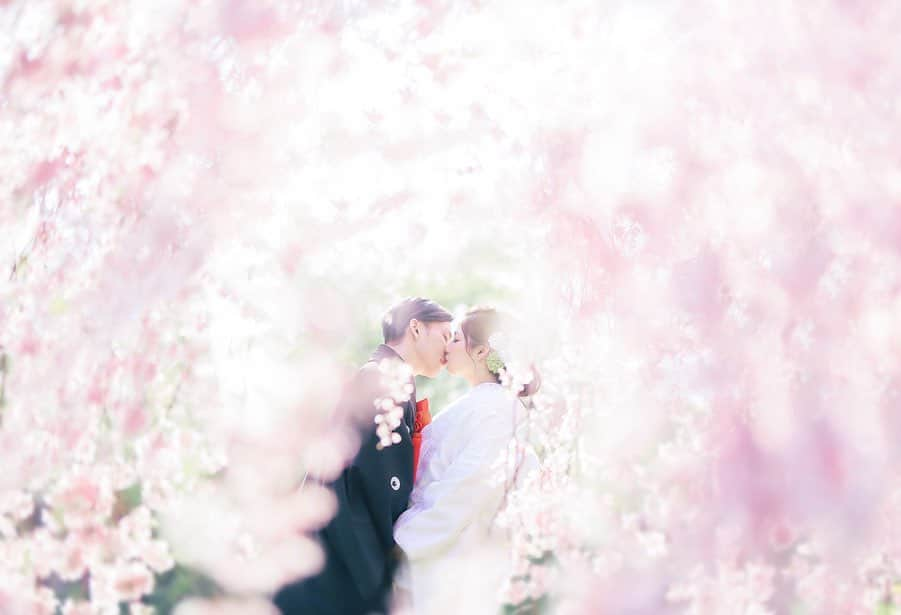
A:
{"points": [[693, 207]]}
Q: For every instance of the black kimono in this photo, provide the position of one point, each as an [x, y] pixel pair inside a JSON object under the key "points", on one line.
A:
{"points": [[372, 493]]}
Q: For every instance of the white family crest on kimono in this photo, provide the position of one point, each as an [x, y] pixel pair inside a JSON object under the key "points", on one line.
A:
{"points": [[446, 531]]}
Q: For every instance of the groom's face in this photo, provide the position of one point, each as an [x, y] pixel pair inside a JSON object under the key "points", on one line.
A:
{"points": [[430, 346]]}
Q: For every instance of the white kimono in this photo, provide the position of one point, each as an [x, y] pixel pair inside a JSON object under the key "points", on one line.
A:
{"points": [[453, 563]]}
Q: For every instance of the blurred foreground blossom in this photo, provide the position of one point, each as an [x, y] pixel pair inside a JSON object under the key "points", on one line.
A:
{"points": [[694, 208]]}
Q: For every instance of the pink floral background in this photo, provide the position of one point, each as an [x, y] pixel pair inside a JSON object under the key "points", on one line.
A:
{"points": [[695, 207]]}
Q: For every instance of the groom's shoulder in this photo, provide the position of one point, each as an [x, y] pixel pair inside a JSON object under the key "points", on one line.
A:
{"points": [[368, 374], [364, 377], [366, 383], [382, 372]]}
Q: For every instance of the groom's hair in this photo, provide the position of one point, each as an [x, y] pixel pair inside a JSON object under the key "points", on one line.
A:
{"points": [[397, 319]]}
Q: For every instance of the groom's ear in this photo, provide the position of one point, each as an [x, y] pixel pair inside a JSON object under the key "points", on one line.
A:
{"points": [[415, 328]]}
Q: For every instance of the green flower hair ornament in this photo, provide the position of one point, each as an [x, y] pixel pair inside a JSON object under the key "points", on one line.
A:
{"points": [[493, 361]]}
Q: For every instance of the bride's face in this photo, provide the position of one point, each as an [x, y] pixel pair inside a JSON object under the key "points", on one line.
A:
{"points": [[430, 345], [459, 361]]}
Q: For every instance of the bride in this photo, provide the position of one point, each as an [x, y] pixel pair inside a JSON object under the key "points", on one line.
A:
{"points": [[454, 562]]}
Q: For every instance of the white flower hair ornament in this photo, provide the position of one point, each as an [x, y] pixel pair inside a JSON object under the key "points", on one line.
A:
{"points": [[502, 361]]}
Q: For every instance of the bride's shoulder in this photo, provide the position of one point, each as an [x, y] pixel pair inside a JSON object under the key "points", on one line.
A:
{"points": [[478, 399], [458, 406], [492, 391], [492, 398], [454, 406]]}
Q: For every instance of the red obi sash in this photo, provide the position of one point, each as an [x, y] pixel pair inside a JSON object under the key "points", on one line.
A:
{"points": [[423, 418]]}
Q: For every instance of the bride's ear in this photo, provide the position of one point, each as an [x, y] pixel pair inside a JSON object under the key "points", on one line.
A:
{"points": [[481, 351]]}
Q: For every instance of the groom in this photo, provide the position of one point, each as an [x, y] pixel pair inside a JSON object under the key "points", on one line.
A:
{"points": [[373, 491]]}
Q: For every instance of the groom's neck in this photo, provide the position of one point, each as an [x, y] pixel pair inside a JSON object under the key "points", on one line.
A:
{"points": [[403, 349]]}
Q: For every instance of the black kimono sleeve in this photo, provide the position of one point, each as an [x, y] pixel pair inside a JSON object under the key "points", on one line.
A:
{"points": [[361, 534]]}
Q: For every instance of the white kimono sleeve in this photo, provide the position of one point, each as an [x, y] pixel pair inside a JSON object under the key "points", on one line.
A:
{"points": [[448, 505]]}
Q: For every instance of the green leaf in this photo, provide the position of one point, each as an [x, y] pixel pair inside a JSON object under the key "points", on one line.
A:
{"points": [[885, 608]]}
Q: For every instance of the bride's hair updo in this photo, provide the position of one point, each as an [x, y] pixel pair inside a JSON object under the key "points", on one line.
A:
{"points": [[478, 325]]}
